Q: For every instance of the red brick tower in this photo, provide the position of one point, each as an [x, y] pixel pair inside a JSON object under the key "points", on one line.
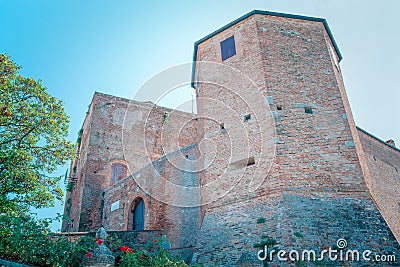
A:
{"points": [[281, 151], [119, 137]]}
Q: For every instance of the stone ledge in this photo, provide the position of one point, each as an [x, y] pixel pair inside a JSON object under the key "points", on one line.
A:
{"points": [[5, 263]]}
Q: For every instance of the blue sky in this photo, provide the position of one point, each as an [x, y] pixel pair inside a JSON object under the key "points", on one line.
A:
{"points": [[79, 47]]}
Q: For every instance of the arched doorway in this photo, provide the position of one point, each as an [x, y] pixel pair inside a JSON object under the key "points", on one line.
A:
{"points": [[136, 215]]}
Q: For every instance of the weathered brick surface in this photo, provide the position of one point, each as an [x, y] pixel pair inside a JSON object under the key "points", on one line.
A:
{"points": [[383, 162], [317, 172], [77, 177], [125, 131], [179, 223]]}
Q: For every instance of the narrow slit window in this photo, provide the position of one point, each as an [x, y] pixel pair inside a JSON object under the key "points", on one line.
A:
{"points": [[71, 226], [228, 48], [165, 117], [222, 128], [198, 83]]}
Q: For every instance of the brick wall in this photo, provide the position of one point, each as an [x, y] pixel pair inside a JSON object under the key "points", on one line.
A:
{"points": [[315, 182], [76, 177], [118, 130], [175, 211], [383, 162]]}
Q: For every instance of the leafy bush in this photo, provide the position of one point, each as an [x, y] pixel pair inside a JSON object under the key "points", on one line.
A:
{"points": [[27, 240], [153, 255], [298, 234]]}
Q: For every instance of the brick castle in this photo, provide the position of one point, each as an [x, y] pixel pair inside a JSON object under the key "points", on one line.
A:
{"points": [[272, 155]]}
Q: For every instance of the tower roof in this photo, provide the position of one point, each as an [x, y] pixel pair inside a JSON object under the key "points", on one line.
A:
{"points": [[261, 12]]}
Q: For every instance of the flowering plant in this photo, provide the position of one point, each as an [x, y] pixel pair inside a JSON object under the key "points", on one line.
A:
{"points": [[152, 255]]}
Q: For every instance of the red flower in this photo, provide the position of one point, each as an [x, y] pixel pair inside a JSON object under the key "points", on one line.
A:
{"points": [[142, 256], [99, 241], [127, 249], [89, 255], [155, 241]]}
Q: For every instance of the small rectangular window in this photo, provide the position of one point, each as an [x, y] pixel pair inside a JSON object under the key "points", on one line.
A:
{"points": [[247, 117], [228, 48], [308, 110]]}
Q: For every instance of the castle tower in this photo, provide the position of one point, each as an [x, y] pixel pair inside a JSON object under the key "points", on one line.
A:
{"points": [[282, 157], [121, 137]]}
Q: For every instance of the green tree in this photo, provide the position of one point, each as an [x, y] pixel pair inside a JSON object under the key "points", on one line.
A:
{"points": [[33, 132], [25, 239]]}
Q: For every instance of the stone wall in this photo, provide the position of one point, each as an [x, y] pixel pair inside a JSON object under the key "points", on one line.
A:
{"points": [[134, 239], [4, 263]]}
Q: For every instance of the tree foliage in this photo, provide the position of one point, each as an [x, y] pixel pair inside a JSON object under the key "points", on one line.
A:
{"points": [[33, 132], [27, 240]]}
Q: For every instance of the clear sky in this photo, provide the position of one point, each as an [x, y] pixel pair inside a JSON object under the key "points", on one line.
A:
{"points": [[78, 47]]}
